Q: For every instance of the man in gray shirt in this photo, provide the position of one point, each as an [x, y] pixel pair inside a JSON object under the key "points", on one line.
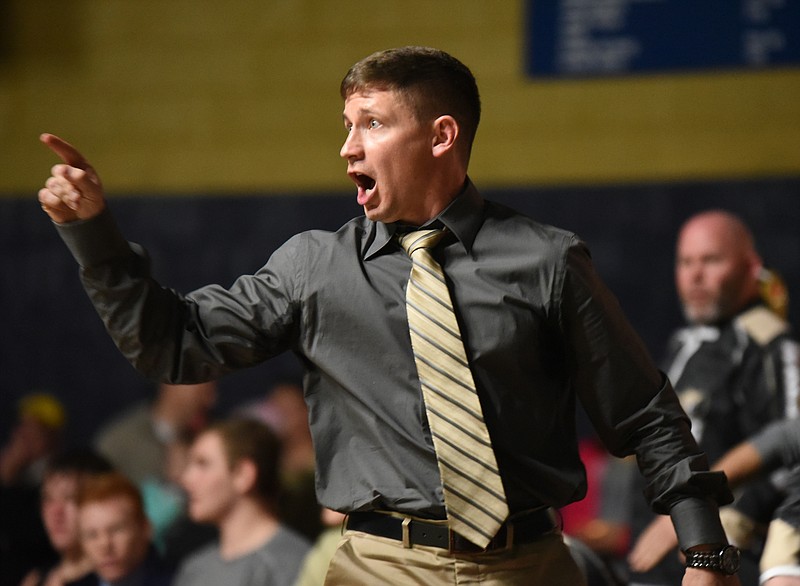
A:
{"points": [[232, 482], [539, 329]]}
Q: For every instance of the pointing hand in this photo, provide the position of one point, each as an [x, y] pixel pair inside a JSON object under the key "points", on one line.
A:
{"points": [[73, 191]]}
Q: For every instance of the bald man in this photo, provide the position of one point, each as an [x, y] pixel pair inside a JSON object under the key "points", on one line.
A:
{"points": [[717, 268], [734, 367]]}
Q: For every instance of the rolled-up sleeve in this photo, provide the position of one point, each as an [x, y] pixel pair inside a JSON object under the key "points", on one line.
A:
{"points": [[633, 406]]}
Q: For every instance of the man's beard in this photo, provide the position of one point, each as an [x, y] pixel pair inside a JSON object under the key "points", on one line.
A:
{"points": [[704, 315]]}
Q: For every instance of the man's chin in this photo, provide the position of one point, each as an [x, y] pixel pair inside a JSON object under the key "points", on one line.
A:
{"points": [[703, 315], [111, 574], [375, 214]]}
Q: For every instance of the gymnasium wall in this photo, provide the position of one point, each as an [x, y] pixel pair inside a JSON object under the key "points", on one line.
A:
{"points": [[197, 96]]}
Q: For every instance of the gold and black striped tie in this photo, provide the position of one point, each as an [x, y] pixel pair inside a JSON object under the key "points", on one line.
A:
{"points": [[473, 491]]}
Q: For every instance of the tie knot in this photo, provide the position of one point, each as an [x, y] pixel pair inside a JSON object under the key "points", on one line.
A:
{"points": [[414, 241]]}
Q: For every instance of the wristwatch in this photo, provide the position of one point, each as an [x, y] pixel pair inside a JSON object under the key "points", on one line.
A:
{"points": [[725, 559]]}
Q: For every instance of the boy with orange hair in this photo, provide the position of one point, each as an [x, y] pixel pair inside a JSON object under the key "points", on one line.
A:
{"points": [[116, 534]]}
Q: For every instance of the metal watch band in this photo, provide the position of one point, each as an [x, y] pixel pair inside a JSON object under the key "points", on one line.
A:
{"points": [[725, 559], [703, 559]]}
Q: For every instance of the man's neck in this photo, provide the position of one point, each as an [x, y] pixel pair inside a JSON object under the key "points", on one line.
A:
{"points": [[441, 196], [135, 578]]}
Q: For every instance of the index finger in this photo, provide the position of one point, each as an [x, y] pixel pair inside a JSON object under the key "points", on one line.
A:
{"points": [[65, 151]]}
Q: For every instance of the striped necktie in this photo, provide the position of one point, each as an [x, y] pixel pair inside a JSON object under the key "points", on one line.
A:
{"points": [[473, 491]]}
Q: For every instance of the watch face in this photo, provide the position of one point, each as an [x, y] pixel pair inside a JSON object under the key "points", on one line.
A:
{"points": [[729, 559]]}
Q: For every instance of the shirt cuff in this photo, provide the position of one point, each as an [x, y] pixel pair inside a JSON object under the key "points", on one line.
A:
{"points": [[95, 240], [697, 522]]}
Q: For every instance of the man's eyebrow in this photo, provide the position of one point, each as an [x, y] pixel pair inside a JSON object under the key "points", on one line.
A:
{"points": [[362, 112]]}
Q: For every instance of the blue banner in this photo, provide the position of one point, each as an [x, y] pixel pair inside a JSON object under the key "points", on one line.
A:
{"points": [[608, 37]]}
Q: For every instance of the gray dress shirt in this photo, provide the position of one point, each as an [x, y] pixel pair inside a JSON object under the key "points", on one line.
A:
{"points": [[540, 329]]}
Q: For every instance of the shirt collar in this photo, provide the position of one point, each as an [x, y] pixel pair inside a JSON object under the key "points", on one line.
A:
{"points": [[462, 217]]}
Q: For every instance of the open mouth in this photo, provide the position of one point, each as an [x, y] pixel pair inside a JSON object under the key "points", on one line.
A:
{"points": [[365, 184]]}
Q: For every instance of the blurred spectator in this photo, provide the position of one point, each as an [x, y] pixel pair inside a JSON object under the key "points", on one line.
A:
{"points": [[147, 443], [136, 442], [164, 498], [233, 482], [33, 439], [115, 533], [63, 478], [175, 534], [284, 410], [734, 368], [776, 446]]}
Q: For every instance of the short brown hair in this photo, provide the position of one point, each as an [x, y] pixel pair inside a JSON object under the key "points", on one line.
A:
{"points": [[103, 487], [433, 83], [247, 439]]}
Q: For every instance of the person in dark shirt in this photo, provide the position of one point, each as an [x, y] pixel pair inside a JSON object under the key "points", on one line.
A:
{"points": [[34, 438], [537, 329], [734, 367], [775, 447]]}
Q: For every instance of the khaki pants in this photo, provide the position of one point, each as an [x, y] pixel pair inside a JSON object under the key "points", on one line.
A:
{"points": [[368, 560]]}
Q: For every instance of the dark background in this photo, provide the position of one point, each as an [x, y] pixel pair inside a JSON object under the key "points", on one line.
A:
{"points": [[52, 339]]}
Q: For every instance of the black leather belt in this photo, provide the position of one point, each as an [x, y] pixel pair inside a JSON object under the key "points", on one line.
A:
{"points": [[412, 531]]}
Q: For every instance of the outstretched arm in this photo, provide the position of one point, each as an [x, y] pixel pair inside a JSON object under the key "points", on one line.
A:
{"points": [[73, 191], [167, 335], [741, 463]]}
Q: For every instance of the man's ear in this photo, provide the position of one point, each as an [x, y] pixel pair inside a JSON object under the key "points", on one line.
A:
{"points": [[756, 264], [244, 476], [445, 133]]}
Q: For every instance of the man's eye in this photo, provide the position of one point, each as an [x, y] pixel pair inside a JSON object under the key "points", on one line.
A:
{"points": [[374, 124]]}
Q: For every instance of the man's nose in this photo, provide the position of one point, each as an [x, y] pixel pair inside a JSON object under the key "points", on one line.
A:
{"points": [[696, 273], [351, 149]]}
